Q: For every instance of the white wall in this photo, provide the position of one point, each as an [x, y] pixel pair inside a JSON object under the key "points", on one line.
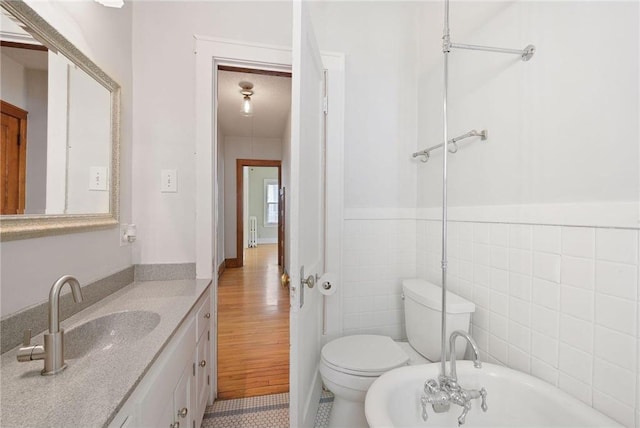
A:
{"points": [[57, 132], [88, 142], [13, 82], [378, 242], [257, 201], [563, 127], [165, 130], [36, 179], [380, 42], [29, 267], [241, 148]]}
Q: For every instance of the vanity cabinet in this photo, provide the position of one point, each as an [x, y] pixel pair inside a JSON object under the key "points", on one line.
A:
{"points": [[175, 391], [203, 374]]}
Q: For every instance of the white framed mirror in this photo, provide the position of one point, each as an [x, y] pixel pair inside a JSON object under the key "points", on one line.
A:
{"points": [[60, 132]]}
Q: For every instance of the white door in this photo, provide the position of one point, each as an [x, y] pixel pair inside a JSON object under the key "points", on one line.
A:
{"points": [[306, 218]]}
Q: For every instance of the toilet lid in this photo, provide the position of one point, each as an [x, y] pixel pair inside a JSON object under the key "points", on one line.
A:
{"points": [[367, 354]]}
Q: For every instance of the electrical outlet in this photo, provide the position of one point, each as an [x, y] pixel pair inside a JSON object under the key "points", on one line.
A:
{"points": [[123, 239], [168, 181]]}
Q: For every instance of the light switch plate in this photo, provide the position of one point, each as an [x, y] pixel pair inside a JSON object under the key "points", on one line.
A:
{"points": [[98, 178], [168, 181]]}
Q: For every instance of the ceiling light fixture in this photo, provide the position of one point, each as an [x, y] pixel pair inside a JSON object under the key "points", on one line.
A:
{"points": [[111, 3], [246, 91]]}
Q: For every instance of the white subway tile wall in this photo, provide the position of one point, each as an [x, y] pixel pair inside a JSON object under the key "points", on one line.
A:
{"points": [[378, 255], [560, 303]]}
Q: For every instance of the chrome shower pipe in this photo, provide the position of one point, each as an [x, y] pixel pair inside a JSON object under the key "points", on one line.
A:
{"points": [[525, 53], [446, 47]]}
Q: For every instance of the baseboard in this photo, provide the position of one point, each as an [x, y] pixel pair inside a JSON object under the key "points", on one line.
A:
{"points": [[221, 268], [232, 263]]}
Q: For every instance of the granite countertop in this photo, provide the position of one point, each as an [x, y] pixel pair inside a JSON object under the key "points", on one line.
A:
{"points": [[93, 388]]}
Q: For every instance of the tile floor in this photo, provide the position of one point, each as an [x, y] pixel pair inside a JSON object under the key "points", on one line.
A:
{"points": [[266, 411]]}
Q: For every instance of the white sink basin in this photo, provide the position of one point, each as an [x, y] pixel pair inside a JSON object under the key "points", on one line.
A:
{"points": [[109, 332]]}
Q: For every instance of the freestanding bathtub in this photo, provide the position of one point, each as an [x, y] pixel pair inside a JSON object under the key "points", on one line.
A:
{"points": [[514, 400]]}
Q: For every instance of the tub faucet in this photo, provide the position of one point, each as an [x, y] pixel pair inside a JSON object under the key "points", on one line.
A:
{"points": [[452, 351], [53, 351], [446, 390]]}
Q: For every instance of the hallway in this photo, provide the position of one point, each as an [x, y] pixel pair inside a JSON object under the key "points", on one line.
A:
{"points": [[253, 327]]}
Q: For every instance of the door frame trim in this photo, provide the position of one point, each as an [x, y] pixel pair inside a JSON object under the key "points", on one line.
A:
{"points": [[240, 164], [211, 52]]}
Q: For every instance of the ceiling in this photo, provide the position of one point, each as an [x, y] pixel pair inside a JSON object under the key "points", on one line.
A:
{"points": [[28, 58], [271, 101], [11, 31]]}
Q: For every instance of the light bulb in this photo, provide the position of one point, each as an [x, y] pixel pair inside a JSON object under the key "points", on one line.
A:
{"points": [[247, 109]]}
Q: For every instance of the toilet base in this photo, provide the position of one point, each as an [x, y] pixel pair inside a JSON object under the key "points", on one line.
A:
{"points": [[347, 414]]}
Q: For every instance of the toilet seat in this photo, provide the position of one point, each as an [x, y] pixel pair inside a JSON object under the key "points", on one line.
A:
{"points": [[363, 355]]}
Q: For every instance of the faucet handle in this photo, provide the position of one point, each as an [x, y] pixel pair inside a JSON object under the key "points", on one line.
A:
{"points": [[431, 386], [26, 337], [483, 394]]}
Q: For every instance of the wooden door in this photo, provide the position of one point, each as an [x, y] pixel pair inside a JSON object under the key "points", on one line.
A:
{"points": [[281, 218], [13, 159]]}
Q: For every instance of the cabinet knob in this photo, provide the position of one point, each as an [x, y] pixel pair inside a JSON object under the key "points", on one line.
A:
{"points": [[203, 363], [183, 412], [175, 425], [207, 315]]}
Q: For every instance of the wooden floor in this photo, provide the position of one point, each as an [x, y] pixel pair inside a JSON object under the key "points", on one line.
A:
{"points": [[253, 327]]}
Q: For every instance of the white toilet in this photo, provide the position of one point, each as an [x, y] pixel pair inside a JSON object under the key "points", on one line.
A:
{"points": [[350, 364]]}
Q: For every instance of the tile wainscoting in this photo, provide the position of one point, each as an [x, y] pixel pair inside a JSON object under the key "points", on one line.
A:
{"points": [[377, 255], [560, 303]]}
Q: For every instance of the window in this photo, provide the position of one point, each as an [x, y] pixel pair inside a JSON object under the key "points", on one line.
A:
{"points": [[270, 202]]}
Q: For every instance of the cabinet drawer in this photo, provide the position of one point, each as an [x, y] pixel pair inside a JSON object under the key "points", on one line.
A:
{"points": [[203, 315]]}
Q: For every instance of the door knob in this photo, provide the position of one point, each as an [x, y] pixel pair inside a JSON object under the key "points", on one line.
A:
{"points": [[284, 279], [310, 281]]}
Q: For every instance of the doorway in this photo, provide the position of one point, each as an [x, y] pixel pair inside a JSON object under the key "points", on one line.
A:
{"points": [[252, 307], [210, 53], [258, 217]]}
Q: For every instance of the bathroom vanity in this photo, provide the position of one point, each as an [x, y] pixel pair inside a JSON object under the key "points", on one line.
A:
{"points": [[140, 357]]}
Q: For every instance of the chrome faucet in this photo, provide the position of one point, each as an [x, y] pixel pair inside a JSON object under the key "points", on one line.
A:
{"points": [[452, 350], [446, 390], [53, 351]]}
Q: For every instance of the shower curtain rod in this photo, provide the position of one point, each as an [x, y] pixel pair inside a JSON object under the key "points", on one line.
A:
{"points": [[473, 133]]}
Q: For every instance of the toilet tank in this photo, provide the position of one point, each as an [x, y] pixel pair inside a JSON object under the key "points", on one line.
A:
{"points": [[423, 317]]}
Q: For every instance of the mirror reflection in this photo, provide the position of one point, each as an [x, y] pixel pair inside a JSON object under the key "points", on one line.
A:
{"points": [[56, 130]]}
